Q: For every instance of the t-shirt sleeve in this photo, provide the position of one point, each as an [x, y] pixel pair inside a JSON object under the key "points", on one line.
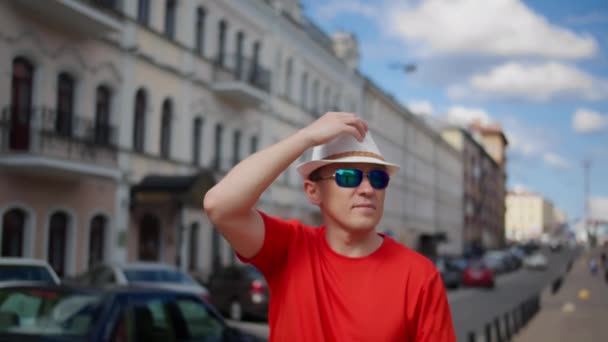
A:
{"points": [[433, 318], [278, 234]]}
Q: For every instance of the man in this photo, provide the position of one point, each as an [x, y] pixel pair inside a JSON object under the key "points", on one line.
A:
{"points": [[342, 281]]}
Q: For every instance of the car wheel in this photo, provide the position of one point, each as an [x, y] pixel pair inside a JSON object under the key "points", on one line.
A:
{"points": [[236, 310]]}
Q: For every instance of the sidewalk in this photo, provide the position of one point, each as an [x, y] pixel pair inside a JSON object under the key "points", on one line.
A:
{"points": [[569, 315]]}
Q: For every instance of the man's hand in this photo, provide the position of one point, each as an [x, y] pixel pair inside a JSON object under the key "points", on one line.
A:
{"points": [[333, 124]]}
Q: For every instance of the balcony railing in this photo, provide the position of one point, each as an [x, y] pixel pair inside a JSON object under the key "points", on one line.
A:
{"points": [[45, 132], [234, 68]]}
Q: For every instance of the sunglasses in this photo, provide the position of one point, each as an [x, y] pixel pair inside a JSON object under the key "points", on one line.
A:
{"points": [[352, 178]]}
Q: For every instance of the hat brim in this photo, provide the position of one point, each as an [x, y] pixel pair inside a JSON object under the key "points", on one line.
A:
{"points": [[305, 169]]}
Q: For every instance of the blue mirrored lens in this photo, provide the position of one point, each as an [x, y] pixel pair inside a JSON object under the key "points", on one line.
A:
{"points": [[349, 178], [378, 179]]}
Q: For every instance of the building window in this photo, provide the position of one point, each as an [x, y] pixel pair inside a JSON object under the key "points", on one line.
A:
{"points": [[165, 129], [13, 232], [102, 115], [65, 104], [21, 103], [240, 37], [288, 77], [221, 48], [254, 144], [57, 242], [197, 134], [194, 243], [97, 235], [199, 31], [315, 97], [236, 147], [217, 157], [149, 238], [143, 12], [337, 102], [106, 3], [170, 12], [327, 101], [304, 91], [139, 121], [255, 61]]}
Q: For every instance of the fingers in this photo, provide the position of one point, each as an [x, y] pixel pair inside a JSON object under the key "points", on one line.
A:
{"points": [[356, 122]]}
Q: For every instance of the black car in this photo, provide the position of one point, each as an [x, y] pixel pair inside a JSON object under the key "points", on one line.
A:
{"points": [[451, 273], [60, 313], [240, 292]]}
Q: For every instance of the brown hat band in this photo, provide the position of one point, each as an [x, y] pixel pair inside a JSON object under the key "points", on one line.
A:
{"points": [[354, 154]]}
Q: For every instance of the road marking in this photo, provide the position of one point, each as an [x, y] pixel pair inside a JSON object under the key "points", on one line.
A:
{"points": [[584, 294], [568, 307]]}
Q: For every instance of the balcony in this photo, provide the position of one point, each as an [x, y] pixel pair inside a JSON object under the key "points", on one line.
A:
{"points": [[241, 80], [87, 17], [36, 141]]}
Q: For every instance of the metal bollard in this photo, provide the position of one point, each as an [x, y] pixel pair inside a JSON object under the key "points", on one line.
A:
{"points": [[472, 336], [497, 327], [507, 328], [515, 321], [488, 332]]}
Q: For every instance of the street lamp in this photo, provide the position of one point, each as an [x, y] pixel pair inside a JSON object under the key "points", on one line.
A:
{"points": [[408, 68]]}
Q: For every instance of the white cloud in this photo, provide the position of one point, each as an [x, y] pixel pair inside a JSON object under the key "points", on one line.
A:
{"points": [[464, 116], [495, 28], [556, 161], [520, 188], [421, 107], [540, 82], [589, 121]]}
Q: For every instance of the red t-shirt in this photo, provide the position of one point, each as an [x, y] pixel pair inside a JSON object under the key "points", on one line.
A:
{"points": [[394, 294]]}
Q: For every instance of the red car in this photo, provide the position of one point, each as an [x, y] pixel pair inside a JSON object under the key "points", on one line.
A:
{"points": [[477, 274]]}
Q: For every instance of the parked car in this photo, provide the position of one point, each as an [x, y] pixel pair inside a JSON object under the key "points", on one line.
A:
{"points": [[16, 271], [150, 274], [239, 292], [120, 314], [450, 273], [478, 274], [497, 261], [536, 261]]}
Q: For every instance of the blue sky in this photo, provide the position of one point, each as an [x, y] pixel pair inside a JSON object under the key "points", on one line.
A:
{"points": [[537, 67]]}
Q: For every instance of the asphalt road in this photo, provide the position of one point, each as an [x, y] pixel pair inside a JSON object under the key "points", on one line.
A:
{"points": [[472, 308]]}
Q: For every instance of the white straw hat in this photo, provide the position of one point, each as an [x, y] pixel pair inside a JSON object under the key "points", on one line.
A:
{"points": [[345, 149]]}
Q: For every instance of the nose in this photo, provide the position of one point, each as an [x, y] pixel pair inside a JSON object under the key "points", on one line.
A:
{"points": [[365, 187]]}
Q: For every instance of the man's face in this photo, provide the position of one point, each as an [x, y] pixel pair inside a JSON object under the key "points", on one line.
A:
{"points": [[354, 209]]}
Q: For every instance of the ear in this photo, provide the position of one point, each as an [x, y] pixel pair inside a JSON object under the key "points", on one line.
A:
{"points": [[312, 191]]}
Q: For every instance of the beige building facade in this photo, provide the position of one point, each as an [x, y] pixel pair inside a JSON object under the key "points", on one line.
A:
{"points": [[117, 116], [528, 216]]}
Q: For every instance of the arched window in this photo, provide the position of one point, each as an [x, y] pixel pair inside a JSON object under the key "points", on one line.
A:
{"points": [[149, 238], [97, 234], [102, 115], [22, 86], [240, 37], [165, 129], [65, 104], [288, 78], [197, 135], [57, 242], [143, 12], [199, 30], [221, 41], [139, 121], [13, 232], [194, 246], [170, 14]]}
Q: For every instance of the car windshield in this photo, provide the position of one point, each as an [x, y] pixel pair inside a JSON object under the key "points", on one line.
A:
{"points": [[25, 273], [47, 312], [157, 276]]}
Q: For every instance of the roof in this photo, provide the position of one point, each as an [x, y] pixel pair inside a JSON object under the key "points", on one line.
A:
{"points": [[23, 261]]}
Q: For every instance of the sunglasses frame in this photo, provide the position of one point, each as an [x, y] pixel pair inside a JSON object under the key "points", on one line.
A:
{"points": [[363, 174]]}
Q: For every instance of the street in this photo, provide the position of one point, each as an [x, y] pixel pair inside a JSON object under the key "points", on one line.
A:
{"points": [[472, 308]]}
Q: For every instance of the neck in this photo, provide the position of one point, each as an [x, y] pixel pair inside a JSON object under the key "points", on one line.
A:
{"points": [[352, 244]]}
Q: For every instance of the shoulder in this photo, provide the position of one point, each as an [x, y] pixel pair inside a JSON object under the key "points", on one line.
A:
{"points": [[411, 262]]}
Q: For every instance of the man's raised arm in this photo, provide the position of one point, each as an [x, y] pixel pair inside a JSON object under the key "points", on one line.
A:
{"points": [[230, 203]]}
